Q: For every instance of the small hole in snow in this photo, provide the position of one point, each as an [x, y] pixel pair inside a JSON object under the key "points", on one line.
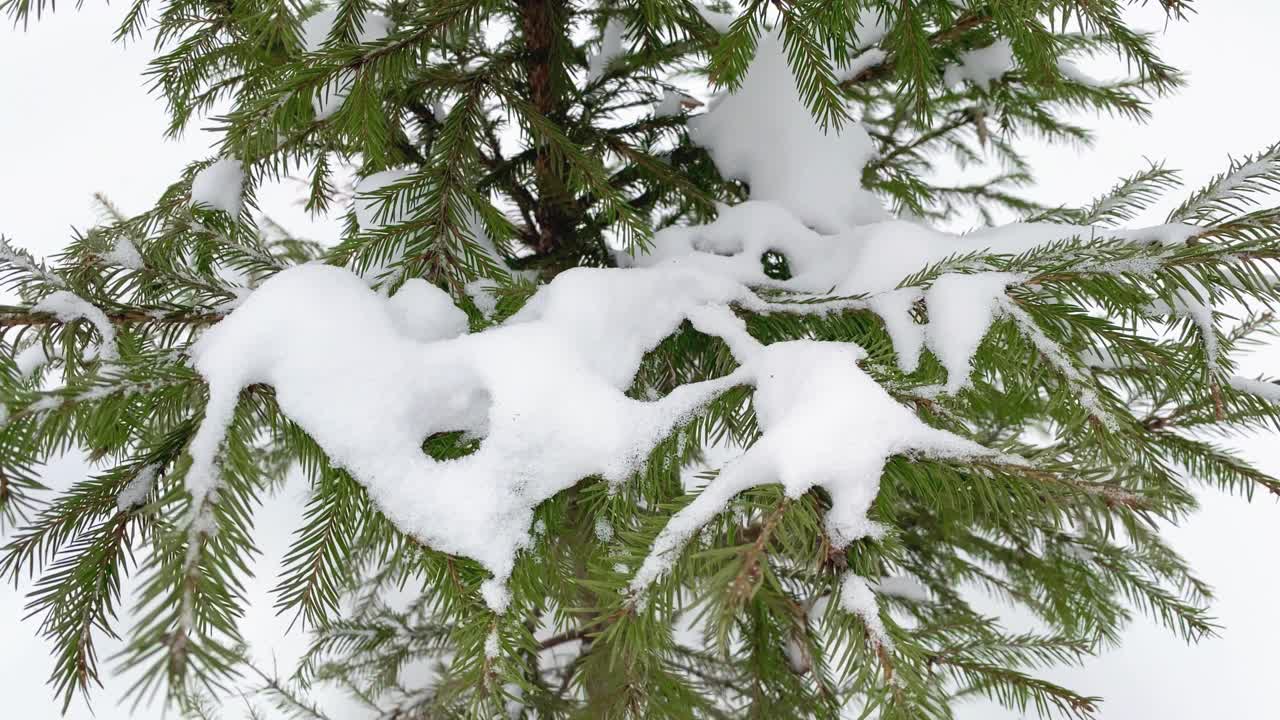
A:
{"points": [[775, 265], [681, 357], [450, 445]]}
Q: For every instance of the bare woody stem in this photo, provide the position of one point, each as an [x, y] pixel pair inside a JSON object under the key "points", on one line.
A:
{"points": [[13, 317], [744, 583]]}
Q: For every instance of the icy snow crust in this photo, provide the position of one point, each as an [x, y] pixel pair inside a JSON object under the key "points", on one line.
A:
{"points": [[370, 377]]}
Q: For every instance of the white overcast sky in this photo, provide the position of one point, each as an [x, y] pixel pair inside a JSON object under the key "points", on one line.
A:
{"points": [[75, 118]]}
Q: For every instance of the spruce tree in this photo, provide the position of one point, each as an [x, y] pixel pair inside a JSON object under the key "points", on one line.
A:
{"points": [[651, 407]]}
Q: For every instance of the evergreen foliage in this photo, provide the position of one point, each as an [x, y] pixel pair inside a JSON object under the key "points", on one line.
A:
{"points": [[487, 107]]}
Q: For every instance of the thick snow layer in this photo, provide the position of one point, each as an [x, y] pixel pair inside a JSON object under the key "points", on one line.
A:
{"points": [[764, 135], [371, 399], [908, 337], [372, 395], [824, 422], [409, 373], [425, 313], [315, 31], [981, 66], [218, 186], [961, 308]]}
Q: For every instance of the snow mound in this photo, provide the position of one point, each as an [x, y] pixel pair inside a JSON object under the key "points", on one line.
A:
{"points": [[401, 372], [372, 393], [218, 186], [824, 422], [764, 135]]}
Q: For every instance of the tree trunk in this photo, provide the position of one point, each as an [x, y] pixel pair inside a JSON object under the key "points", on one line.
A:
{"points": [[543, 23]]}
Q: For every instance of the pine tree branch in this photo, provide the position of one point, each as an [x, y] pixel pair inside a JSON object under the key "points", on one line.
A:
{"points": [[744, 582], [875, 73], [570, 635], [499, 167], [16, 316], [962, 118], [1110, 495], [595, 162], [299, 706]]}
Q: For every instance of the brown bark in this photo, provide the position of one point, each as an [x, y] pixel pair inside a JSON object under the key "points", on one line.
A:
{"points": [[542, 23], [16, 316]]}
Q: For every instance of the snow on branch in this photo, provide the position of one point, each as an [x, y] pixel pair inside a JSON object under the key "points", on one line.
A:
{"points": [[1241, 186], [218, 186], [370, 377], [67, 307], [22, 262], [1268, 390], [981, 66]]}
